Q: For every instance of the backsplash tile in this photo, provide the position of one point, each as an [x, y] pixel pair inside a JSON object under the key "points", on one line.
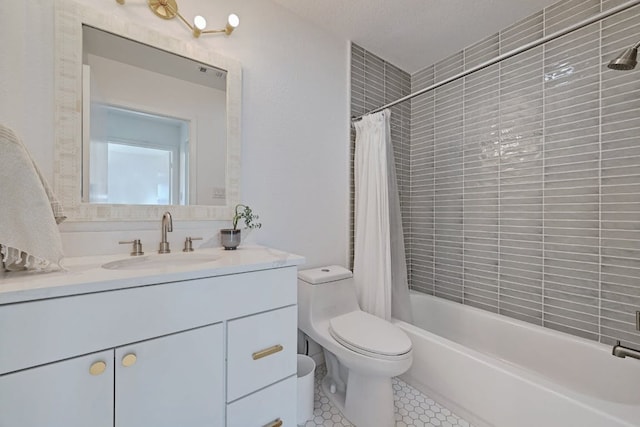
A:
{"points": [[524, 178]]}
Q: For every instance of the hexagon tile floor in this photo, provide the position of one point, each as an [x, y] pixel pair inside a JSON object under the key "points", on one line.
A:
{"points": [[413, 409]]}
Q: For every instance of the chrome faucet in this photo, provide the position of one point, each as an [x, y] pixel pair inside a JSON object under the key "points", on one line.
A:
{"points": [[167, 225], [621, 351]]}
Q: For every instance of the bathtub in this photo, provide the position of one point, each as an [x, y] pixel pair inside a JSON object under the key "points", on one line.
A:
{"points": [[497, 371]]}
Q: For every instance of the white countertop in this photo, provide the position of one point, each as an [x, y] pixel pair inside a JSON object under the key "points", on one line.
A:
{"points": [[86, 274]]}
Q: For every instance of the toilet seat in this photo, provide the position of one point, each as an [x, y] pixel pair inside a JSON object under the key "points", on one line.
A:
{"points": [[369, 335]]}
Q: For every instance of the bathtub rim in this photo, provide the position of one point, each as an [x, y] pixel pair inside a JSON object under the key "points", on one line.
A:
{"points": [[504, 368], [516, 322], [529, 376]]}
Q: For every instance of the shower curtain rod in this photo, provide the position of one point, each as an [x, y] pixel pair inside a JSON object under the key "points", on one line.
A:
{"points": [[507, 55]]}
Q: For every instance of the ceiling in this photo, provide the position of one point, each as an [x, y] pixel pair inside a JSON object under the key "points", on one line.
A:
{"points": [[412, 34]]}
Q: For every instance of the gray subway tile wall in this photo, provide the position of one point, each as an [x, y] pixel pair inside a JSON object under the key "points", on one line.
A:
{"points": [[375, 82], [480, 208], [571, 181], [568, 12], [524, 178], [448, 191], [619, 185], [421, 237], [525, 31]]}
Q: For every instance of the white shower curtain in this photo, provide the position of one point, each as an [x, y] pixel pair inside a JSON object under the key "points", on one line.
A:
{"points": [[379, 268]]}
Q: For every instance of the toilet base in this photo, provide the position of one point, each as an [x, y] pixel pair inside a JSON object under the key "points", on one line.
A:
{"points": [[365, 401], [359, 409], [369, 401], [337, 398]]}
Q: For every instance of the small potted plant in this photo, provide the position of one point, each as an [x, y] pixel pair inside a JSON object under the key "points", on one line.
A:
{"points": [[231, 237]]}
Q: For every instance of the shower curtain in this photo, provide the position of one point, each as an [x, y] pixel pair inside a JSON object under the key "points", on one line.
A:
{"points": [[379, 268]]}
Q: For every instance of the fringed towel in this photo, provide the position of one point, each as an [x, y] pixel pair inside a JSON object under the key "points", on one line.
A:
{"points": [[29, 211]]}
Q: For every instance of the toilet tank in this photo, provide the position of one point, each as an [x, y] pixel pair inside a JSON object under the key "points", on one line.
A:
{"points": [[324, 293]]}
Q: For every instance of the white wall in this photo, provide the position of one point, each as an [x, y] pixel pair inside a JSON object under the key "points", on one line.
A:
{"points": [[295, 126]]}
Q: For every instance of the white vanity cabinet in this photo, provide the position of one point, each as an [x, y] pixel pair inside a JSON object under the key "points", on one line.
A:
{"points": [[188, 352]]}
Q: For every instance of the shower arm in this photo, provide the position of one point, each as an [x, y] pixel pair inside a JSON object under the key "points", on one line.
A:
{"points": [[507, 55]]}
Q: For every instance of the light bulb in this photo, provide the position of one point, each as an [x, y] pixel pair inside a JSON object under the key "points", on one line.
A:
{"points": [[233, 20], [199, 22]]}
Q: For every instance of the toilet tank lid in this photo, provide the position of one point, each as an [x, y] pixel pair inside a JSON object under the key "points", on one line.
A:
{"points": [[330, 273]]}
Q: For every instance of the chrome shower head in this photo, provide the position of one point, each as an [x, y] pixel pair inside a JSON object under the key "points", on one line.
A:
{"points": [[626, 60]]}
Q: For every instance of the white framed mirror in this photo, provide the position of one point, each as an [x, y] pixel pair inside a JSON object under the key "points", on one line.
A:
{"points": [[196, 176]]}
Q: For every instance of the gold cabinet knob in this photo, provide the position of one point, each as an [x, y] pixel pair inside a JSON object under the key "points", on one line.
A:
{"points": [[129, 360], [276, 423], [97, 368]]}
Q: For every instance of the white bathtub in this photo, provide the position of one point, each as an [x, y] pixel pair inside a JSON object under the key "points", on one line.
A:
{"points": [[496, 371]]}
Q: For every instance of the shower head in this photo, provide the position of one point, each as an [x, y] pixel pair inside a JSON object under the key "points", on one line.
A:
{"points": [[626, 60]]}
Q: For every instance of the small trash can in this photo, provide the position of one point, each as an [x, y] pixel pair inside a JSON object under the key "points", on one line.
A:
{"points": [[306, 370]]}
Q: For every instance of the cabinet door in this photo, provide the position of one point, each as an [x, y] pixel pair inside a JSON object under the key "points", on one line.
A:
{"points": [[176, 380], [72, 393]]}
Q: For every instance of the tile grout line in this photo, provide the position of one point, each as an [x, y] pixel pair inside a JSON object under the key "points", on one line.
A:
{"points": [[544, 158], [499, 207], [600, 34], [462, 145]]}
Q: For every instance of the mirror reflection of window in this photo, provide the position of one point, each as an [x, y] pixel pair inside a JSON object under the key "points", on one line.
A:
{"points": [[118, 71], [138, 158]]}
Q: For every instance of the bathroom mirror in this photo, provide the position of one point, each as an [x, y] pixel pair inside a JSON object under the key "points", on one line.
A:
{"points": [[120, 121], [154, 125]]}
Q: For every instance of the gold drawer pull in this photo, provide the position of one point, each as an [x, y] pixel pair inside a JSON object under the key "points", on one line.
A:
{"points": [[276, 423], [129, 360], [97, 368], [267, 352]]}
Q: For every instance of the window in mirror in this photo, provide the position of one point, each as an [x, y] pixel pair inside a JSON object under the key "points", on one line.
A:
{"points": [[134, 95], [137, 158]]}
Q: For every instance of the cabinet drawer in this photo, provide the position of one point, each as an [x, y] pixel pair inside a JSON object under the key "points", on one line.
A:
{"points": [[261, 350], [265, 407]]}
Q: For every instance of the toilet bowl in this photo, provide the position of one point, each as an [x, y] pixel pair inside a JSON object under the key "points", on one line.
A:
{"points": [[362, 352]]}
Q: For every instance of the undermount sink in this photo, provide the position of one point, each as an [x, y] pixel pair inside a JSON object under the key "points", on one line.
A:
{"points": [[146, 262]]}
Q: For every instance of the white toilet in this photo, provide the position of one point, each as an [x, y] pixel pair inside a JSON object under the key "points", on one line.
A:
{"points": [[362, 352]]}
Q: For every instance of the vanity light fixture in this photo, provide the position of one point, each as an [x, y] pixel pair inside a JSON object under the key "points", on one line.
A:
{"points": [[168, 9]]}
